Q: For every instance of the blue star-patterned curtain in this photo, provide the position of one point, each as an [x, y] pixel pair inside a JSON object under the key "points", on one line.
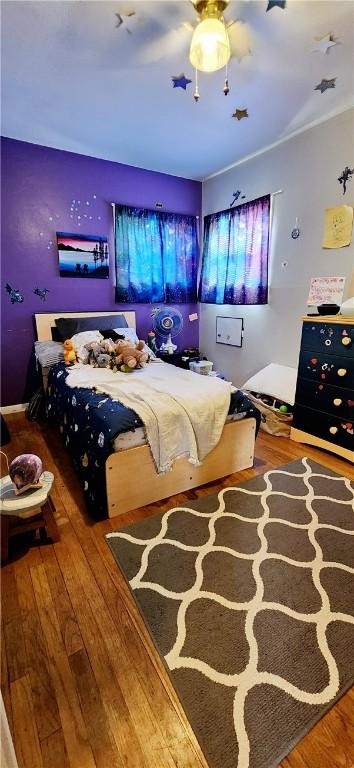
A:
{"points": [[156, 256], [235, 255]]}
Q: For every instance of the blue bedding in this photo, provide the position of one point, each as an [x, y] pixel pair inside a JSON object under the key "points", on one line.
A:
{"points": [[90, 422]]}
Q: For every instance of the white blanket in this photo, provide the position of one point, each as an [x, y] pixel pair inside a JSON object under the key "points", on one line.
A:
{"points": [[183, 413]]}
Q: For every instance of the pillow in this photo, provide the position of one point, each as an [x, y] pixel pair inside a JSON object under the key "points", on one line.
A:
{"points": [[277, 381], [110, 333], [127, 333], [80, 339], [130, 335], [49, 352], [68, 326]]}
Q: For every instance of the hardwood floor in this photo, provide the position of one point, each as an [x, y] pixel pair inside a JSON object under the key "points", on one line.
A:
{"points": [[82, 683]]}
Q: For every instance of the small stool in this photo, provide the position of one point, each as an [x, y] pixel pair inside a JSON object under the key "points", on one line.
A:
{"points": [[34, 505]]}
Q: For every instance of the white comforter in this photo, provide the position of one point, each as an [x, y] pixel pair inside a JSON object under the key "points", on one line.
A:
{"points": [[183, 413]]}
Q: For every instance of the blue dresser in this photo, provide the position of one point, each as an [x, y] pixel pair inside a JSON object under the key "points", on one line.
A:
{"points": [[324, 400]]}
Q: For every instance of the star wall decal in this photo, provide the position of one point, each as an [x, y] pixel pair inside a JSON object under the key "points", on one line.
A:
{"points": [[324, 44], [276, 4], [240, 114], [324, 85], [181, 81]]}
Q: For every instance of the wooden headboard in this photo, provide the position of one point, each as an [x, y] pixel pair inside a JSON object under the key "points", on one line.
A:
{"points": [[45, 321]]}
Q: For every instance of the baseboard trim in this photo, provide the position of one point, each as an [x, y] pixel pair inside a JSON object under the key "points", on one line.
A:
{"points": [[13, 408]]}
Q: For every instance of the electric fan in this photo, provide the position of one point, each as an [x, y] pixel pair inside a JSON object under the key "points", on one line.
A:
{"points": [[167, 323]]}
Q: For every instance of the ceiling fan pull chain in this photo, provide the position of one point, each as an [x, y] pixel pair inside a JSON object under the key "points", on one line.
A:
{"points": [[226, 85], [196, 92], [226, 88]]}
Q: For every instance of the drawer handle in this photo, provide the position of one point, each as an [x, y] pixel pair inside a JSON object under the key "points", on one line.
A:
{"points": [[333, 430], [342, 371], [346, 341], [337, 401]]}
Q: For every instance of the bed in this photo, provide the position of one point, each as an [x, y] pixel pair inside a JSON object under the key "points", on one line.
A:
{"points": [[106, 471]]}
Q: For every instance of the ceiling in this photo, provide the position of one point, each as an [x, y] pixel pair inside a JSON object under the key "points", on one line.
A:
{"points": [[73, 80]]}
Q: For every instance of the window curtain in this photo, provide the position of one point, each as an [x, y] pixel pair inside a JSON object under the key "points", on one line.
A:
{"points": [[156, 256], [235, 255]]}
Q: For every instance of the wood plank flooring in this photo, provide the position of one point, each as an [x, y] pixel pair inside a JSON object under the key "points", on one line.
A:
{"points": [[82, 683]]}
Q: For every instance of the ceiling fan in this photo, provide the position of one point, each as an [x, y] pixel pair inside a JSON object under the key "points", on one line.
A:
{"points": [[211, 41], [214, 40]]}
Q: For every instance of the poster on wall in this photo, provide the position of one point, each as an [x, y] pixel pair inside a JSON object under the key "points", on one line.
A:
{"points": [[338, 226], [83, 255], [326, 290]]}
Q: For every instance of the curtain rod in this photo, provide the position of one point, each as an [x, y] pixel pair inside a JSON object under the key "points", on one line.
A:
{"points": [[277, 192], [158, 206]]}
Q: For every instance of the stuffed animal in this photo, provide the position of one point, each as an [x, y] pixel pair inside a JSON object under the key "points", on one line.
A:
{"points": [[94, 349], [129, 355], [69, 352], [109, 346], [120, 355], [103, 360]]}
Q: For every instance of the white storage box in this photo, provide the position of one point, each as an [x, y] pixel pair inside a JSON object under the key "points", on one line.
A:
{"points": [[203, 366]]}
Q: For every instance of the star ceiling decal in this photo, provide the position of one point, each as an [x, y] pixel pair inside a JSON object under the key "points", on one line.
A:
{"points": [[240, 114], [324, 85], [181, 81], [120, 19], [324, 44], [276, 4]]}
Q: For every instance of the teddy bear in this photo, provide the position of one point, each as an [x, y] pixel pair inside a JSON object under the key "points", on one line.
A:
{"points": [[69, 352], [130, 356]]}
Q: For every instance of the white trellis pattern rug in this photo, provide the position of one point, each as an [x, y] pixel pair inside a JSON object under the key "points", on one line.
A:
{"points": [[249, 597]]}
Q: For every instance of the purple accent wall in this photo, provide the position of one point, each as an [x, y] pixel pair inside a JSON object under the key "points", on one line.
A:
{"points": [[39, 186]]}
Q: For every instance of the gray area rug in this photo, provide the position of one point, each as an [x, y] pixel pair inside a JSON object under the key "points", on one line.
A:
{"points": [[249, 597]]}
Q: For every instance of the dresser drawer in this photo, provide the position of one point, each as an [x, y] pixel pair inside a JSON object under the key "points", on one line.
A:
{"points": [[325, 397], [330, 428], [331, 338], [324, 368]]}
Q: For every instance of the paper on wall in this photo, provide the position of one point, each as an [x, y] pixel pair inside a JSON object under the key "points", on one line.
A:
{"points": [[338, 226], [326, 290]]}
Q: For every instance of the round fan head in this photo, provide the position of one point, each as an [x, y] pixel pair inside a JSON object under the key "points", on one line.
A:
{"points": [[167, 322]]}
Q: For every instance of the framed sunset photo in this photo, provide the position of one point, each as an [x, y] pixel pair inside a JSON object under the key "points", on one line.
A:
{"points": [[83, 255]]}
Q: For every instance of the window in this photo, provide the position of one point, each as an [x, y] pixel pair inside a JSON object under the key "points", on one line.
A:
{"points": [[235, 255], [156, 256]]}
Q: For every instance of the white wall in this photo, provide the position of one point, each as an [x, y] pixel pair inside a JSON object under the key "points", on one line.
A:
{"points": [[306, 168]]}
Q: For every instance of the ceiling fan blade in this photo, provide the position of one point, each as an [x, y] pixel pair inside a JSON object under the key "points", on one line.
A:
{"points": [[172, 43], [240, 39]]}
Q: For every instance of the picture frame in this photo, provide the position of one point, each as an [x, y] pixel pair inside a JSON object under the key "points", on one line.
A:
{"points": [[85, 256]]}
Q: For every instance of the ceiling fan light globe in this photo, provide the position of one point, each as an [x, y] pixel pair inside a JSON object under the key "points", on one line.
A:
{"points": [[210, 46]]}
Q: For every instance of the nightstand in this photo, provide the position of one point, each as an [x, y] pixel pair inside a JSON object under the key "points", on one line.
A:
{"points": [[179, 359]]}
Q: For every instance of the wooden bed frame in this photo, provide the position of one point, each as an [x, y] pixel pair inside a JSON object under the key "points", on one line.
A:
{"points": [[234, 452]]}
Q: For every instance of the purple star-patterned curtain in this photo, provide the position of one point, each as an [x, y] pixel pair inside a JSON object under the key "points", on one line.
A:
{"points": [[235, 255], [156, 256]]}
